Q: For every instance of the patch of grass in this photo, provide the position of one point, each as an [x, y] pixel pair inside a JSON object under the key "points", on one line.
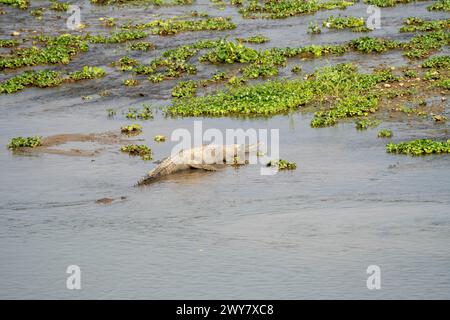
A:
{"points": [[138, 150], [385, 133], [173, 26], [419, 147], [346, 22], [414, 24], [283, 165], [28, 142]]}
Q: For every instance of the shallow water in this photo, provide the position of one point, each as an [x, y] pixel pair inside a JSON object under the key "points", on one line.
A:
{"points": [[310, 233]]}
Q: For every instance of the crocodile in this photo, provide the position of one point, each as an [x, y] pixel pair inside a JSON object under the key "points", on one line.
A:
{"points": [[211, 157]]}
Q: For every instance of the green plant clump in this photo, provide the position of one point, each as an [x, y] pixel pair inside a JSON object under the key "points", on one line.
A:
{"points": [[365, 124], [385, 133], [413, 24], [20, 142], [144, 114], [21, 4], [440, 5], [184, 89], [159, 138], [254, 39], [8, 43], [138, 150], [344, 22], [87, 73], [437, 62], [283, 165], [142, 46], [131, 129], [419, 147]]}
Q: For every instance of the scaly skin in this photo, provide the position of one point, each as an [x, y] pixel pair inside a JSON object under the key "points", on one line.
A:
{"points": [[206, 157]]}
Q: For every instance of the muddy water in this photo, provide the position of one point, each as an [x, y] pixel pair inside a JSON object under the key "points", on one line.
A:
{"points": [[310, 233]]}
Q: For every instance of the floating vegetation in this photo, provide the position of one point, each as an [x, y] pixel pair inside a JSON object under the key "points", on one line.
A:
{"points": [[131, 129], [340, 85], [346, 22], [154, 2], [59, 6], [230, 52], [313, 28], [365, 124], [54, 50], [142, 46], [8, 43], [118, 37], [130, 82], [419, 147], [387, 3], [437, 62], [368, 44], [138, 150], [184, 89], [422, 45], [254, 39], [20, 142], [108, 22], [283, 164], [21, 4], [144, 114], [279, 9], [385, 133], [417, 24], [410, 73], [37, 13], [296, 69], [159, 138], [47, 78], [440, 5], [172, 26], [111, 112], [87, 73]]}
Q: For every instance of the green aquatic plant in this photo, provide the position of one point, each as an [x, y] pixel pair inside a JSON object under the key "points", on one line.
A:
{"points": [[254, 39], [313, 28], [130, 82], [419, 147], [173, 26], [37, 13], [346, 22], [387, 3], [184, 89], [53, 50], [437, 62], [385, 133], [423, 45], [414, 24], [59, 6], [138, 150], [364, 124], [142, 46], [282, 164], [410, 73], [154, 2], [8, 43], [87, 73], [28, 142], [21, 4], [440, 5], [445, 84], [144, 114], [230, 52], [159, 138], [109, 22], [280, 9], [111, 112], [368, 44], [296, 69], [118, 37], [132, 129]]}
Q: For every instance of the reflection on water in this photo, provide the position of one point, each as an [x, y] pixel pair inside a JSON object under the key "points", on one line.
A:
{"points": [[310, 233]]}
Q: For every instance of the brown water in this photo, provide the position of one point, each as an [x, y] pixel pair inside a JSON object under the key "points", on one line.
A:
{"points": [[310, 233]]}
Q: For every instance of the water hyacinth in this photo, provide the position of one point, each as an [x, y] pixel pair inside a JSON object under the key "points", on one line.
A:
{"points": [[28, 142], [419, 147]]}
